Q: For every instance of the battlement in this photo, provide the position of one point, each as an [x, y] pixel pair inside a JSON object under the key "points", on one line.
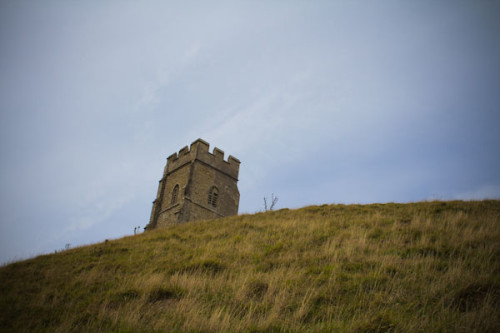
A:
{"points": [[199, 150]]}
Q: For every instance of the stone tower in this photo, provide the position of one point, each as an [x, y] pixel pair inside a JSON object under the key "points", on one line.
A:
{"points": [[196, 185]]}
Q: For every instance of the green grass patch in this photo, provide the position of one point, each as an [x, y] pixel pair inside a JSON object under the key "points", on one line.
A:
{"points": [[416, 267]]}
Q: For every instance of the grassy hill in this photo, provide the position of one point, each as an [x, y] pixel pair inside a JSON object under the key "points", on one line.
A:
{"points": [[418, 267]]}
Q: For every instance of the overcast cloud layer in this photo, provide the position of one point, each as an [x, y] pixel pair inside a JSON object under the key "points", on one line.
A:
{"points": [[322, 101]]}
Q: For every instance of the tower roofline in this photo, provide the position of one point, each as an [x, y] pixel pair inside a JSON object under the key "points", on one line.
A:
{"points": [[200, 146]]}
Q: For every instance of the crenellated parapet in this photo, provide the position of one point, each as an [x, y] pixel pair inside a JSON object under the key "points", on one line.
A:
{"points": [[199, 150]]}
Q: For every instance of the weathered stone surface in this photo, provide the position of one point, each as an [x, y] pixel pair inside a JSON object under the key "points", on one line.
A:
{"points": [[196, 185]]}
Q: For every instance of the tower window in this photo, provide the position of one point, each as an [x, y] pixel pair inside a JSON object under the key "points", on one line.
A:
{"points": [[213, 196], [175, 194]]}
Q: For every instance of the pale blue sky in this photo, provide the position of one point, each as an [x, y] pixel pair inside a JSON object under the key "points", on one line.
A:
{"points": [[322, 101]]}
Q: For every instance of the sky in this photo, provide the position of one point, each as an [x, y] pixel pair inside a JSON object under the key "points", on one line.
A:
{"points": [[322, 102]]}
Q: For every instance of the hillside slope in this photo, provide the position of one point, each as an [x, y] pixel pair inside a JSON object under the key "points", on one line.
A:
{"points": [[429, 266]]}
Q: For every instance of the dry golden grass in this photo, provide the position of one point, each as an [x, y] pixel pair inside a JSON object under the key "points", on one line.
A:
{"points": [[418, 267]]}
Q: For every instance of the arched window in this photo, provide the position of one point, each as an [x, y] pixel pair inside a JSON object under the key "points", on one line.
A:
{"points": [[175, 194], [213, 195]]}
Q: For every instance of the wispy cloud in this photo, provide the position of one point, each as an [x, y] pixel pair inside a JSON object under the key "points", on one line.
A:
{"points": [[98, 211]]}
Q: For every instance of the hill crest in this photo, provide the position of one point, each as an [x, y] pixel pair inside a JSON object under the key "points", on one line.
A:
{"points": [[427, 266]]}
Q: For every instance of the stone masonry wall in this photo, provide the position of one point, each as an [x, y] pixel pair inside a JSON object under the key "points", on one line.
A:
{"points": [[196, 171]]}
